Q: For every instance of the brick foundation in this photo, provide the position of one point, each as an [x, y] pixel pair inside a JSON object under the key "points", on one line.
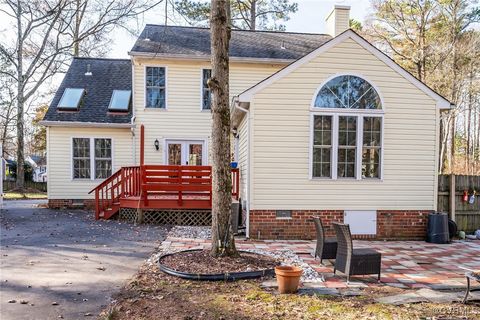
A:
{"points": [[71, 203], [391, 224]]}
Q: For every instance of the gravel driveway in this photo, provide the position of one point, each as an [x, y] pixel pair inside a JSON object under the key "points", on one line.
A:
{"points": [[64, 264]]}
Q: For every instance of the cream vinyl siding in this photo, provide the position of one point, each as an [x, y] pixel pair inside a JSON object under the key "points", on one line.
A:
{"points": [[338, 20], [59, 152], [281, 140], [342, 22], [243, 156], [184, 118]]}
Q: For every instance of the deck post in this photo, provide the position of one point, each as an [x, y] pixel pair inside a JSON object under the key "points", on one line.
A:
{"points": [[122, 183], [97, 205], [452, 194], [140, 216], [142, 145]]}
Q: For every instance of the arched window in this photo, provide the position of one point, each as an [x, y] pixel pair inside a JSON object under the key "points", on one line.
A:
{"points": [[349, 92], [347, 144]]}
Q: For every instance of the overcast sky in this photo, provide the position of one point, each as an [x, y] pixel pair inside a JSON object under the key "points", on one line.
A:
{"points": [[310, 17]]}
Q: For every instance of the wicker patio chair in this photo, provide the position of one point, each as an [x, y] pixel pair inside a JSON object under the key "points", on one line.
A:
{"points": [[352, 261], [326, 248]]}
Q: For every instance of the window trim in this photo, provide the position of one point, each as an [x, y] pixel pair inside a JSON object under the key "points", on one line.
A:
{"points": [[92, 157], [203, 140], [359, 144], [71, 159], [95, 158], [356, 74], [201, 90], [333, 154], [145, 86]]}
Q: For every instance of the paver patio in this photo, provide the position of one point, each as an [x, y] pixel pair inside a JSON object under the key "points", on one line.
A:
{"points": [[405, 264]]}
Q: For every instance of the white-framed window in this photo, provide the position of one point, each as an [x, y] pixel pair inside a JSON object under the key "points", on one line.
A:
{"points": [[155, 87], [346, 130], [206, 92], [91, 155], [81, 158], [103, 158], [322, 146]]}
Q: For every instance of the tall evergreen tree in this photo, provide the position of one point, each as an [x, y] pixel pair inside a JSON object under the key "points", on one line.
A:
{"points": [[245, 14]]}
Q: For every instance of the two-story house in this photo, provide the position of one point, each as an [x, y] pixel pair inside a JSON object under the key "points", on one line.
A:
{"points": [[322, 124]]}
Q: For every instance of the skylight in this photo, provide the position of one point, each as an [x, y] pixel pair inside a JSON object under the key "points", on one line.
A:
{"points": [[120, 100], [71, 98]]}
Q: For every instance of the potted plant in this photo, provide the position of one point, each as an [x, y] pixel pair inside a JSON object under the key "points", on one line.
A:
{"points": [[288, 278]]}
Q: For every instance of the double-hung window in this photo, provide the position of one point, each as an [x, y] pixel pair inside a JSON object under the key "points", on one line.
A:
{"points": [[155, 87], [322, 146], [81, 158], [206, 93], [347, 130], [103, 158], [347, 146], [91, 155]]}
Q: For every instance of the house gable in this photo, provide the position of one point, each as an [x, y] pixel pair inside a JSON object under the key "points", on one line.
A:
{"points": [[248, 94], [281, 117]]}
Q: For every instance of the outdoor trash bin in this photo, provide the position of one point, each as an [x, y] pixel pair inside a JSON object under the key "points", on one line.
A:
{"points": [[437, 228]]}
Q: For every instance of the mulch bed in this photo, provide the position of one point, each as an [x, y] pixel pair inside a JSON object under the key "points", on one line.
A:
{"points": [[201, 262]]}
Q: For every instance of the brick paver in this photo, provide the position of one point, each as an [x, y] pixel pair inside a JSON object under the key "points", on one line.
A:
{"points": [[405, 264]]}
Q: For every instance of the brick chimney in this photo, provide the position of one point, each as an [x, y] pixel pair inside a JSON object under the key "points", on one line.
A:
{"points": [[338, 20]]}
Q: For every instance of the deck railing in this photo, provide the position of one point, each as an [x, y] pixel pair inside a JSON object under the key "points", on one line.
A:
{"points": [[108, 193], [131, 181], [154, 182], [177, 181]]}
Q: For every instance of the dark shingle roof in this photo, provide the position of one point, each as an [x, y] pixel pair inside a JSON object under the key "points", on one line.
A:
{"points": [[174, 40], [107, 75]]}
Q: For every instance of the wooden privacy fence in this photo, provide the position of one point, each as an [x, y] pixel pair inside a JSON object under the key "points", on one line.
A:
{"points": [[10, 185], [466, 215]]}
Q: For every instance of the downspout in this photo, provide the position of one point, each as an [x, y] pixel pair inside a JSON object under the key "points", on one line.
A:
{"points": [[132, 120], [247, 192], [134, 143]]}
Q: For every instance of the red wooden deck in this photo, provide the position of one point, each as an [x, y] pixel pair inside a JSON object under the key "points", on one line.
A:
{"points": [[157, 187]]}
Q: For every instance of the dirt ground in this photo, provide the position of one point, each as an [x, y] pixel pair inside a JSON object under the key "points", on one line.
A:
{"points": [[154, 295], [63, 263]]}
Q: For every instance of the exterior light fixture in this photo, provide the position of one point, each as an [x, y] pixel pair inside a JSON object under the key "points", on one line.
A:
{"points": [[156, 144]]}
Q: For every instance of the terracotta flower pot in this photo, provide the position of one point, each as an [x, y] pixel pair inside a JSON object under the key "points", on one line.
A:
{"points": [[288, 278]]}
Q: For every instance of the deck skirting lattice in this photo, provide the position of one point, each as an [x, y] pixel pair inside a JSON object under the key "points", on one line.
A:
{"points": [[169, 217]]}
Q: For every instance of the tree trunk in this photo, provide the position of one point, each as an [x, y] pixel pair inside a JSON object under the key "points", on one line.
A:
{"points": [[20, 184], [253, 15], [223, 243], [76, 32]]}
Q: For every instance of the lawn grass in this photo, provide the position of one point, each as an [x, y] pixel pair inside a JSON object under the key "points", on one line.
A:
{"points": [[154, 295], [14, 195]]}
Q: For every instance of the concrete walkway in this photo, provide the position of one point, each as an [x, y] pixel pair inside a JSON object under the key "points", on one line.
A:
{"points": [[64, 264]]}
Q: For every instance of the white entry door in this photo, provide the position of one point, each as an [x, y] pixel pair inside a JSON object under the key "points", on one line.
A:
{"points": [[186, 152]]}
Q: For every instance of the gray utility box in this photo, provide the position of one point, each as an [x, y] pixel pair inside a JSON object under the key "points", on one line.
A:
{"points": [[234, 217]]}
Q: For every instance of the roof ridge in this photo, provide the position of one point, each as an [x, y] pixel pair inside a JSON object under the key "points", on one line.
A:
{"points": [[239, 30], [107, 59]]}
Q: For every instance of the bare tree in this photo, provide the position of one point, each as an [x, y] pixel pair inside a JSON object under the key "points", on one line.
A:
{"points": [[95, 20], [434, 40], [46, 33], [223, 243]]}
